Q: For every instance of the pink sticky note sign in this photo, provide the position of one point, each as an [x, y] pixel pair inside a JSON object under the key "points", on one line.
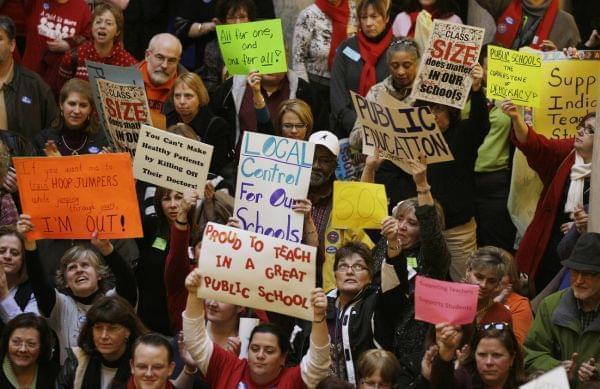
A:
{"points": [[445, 302]]}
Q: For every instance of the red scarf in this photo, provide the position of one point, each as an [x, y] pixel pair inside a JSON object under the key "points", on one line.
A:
{"points": [[371, 52], [131, 384], [509, 24], [339, 16]]}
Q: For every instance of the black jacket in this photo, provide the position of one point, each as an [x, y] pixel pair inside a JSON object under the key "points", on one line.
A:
{"points": [[30, 105], [93, 144], [212, 130], [222, 102], [369, 319]]}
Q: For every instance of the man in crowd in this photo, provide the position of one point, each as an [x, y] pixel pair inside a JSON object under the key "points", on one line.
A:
{"points": [[159, 70], [320, 193], [567, 326], [26, 102]]}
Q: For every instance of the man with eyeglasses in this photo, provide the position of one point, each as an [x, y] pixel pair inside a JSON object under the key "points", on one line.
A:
{"points": [[159, 70], [566, 330]]}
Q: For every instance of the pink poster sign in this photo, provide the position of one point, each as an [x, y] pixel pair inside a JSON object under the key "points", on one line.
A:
{"points": [[445, 302]]}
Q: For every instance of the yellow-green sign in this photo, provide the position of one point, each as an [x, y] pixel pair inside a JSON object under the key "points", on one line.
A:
{"points": [[514, 75], [255, 46]]}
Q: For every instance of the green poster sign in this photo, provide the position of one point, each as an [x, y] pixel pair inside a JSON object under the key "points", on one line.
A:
{"points": [[253, 46]]}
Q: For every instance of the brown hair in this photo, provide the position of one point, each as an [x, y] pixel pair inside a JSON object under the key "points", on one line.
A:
{"points": [[355, 247], [298, 107], [118, 15], [113, 310], [487, 257], [381, 6], [83, 88], [382, 361], [184, 130], [512, 270], [195, 83]]}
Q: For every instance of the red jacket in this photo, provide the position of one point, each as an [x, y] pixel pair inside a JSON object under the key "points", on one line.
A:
{"points": [[177, 268], [552, 161]]}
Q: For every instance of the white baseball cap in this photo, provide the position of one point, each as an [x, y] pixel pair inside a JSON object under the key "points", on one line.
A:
{"points": [[327, 139]]}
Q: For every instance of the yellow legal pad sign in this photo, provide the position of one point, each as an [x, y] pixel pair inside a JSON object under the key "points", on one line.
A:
{"points": [[358, 205]]}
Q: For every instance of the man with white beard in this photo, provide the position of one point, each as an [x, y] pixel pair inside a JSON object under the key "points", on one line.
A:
{"points": [[159, 69], [320, 193]]}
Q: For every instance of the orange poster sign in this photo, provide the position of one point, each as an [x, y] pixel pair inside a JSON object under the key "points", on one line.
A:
{"points": [[71, 197]]}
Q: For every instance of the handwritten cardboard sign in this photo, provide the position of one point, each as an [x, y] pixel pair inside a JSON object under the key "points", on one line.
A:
{"points": [[444, 73], [272, 173], [554, 379], [252, 270], [514, 75], [445, 302], [171, 161], [568, 93], [398, 134], [253, 46], [125, 108], [71, 197], [358, 205]]}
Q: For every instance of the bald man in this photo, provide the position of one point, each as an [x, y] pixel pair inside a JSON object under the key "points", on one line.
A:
{"points": [[159, 70]]}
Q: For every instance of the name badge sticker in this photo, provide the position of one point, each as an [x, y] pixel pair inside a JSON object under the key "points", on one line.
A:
{"points": [[351, 53]]}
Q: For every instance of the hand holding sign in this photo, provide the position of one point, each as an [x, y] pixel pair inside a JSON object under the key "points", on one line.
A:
{"points": [[447, 338]]}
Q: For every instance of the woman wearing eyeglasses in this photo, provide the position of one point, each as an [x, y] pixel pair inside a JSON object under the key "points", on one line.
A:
{"points": [[414, 234], [102, 357], [294, 120], [361, 312], [495, 360], [565, 167], [26, 352]]}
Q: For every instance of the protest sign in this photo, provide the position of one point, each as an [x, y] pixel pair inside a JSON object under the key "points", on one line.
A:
{"points": [[252, 270], [71, 197], [255, 46], [568, 93], [444, 75], [346, 169], [398, 134], [554, 379], [125, 109], [514, 75], [445, 302], [171, 161], [358, 205], [273, 172], [118, 74]]}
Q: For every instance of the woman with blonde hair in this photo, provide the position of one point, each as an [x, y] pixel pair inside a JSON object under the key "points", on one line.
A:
{"points": [[189, 100], [294, 120]]}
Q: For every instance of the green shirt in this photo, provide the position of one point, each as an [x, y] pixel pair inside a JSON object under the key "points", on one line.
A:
{"points": [[493, 154]]}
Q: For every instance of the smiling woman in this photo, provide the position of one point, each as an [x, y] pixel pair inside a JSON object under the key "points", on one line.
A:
{"points": [[26, 352]]}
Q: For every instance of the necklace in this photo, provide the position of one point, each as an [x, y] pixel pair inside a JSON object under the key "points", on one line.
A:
{"points": [[73, 151]]}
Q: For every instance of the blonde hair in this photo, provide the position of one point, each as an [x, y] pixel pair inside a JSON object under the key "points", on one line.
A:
{"points": [[412, 203], [300, 109], [194, 82]]}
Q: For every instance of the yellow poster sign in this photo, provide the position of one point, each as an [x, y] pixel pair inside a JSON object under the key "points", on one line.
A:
{"points": [[514, 75], [358, 205], [568, 94]]}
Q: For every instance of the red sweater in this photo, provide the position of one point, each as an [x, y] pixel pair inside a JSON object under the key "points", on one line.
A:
{"points": [[552, 161], [177, 268], [226, 371], [117, 57], [48, 20]]}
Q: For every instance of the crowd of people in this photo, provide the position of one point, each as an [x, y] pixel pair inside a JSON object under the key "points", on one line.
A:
{"points": [[124, 313]]}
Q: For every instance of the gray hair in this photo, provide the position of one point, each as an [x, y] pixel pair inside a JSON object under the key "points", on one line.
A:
{"points": [[165, 35], [403, 45]]}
